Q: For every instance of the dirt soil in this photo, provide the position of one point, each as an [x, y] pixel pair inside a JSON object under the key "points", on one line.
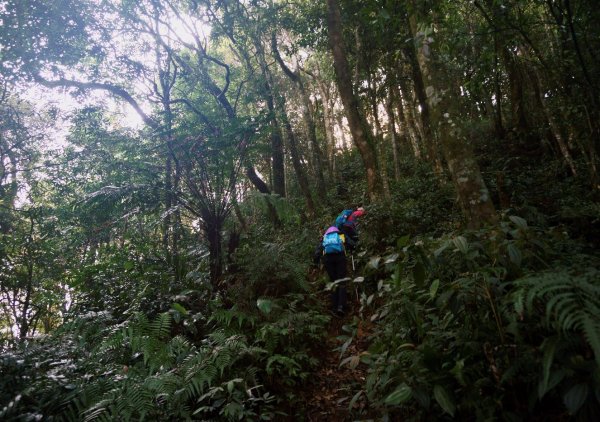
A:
{"points": [[329, 391]]}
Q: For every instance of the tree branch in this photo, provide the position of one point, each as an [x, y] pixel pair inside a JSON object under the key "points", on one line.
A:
{"points": [[292, 75], [113, 89]]}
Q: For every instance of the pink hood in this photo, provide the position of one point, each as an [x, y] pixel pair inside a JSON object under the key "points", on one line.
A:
{"points": [[358, 213], [332, 229]]}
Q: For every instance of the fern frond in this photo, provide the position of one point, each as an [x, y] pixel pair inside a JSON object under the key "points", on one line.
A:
{"points": [[179, 346], [591, 331], [97, 410], [161, 326], [571, 302], [142, 323]]}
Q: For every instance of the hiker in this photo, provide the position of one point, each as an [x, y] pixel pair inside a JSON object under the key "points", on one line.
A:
{"points": [[333, 251], [346, 222]]}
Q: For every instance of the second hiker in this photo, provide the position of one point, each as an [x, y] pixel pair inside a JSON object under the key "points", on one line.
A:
{"points": [[333, 251], [347, 222]]}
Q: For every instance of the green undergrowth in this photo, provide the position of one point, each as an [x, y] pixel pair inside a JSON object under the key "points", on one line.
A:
{"points": [[496, 324], [237, 352], [155, 369]]}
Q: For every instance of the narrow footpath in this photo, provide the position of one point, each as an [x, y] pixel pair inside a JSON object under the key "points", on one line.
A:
{"points": [[329, 391]]}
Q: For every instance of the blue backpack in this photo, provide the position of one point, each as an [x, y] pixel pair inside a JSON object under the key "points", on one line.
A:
{"points": [[342, 218], [332, 243]]}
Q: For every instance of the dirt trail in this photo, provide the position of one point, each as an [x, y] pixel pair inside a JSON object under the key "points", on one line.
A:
{"points": [[328, 392]]}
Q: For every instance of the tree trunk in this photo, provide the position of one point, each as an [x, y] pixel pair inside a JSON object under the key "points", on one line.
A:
{"points": [[317, 155], [407, 131], [307, 117], [361, 132], [277, 151], [340, 122], [24, 323], [168, 202], [498, 124], [328, 125], [592, 108], [378, 138], [296, 161], [472, 192], [555, 132], [212, 225], [429, 139], [393, 135], [24, 320], [277, 148], [406, 117]]}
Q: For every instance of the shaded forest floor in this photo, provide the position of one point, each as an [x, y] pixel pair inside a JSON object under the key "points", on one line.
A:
{"points": [[327, 393]]}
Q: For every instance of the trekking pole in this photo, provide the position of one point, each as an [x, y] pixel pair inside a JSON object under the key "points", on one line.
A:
{"points": [[354, 274]]}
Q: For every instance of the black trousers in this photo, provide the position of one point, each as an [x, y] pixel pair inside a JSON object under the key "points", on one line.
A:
{"points": [[335, 264]]}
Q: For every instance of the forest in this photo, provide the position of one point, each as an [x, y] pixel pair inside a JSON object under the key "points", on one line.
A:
{"points": [[169, 168]]}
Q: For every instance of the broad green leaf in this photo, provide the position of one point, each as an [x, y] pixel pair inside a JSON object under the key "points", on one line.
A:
{"points": [[549, 347], [592, 335], [575, 397], [179, 308], [556, 378], [384, 14], [422, 397], [128, 265], [461, 244], [441, 249], [406, 346], [399, 395], [233, 410], [444, 399], [403, 241], [265, 305], [434, 288], [231, 384], [458, 373], [345, 346], [519, 222], [514, 254]]}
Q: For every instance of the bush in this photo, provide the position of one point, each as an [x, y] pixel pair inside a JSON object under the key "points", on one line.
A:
{"points": [[496, 324], [418, 205], [269, 269]]}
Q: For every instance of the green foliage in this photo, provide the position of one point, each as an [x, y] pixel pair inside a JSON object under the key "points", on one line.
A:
{"points": [[463, 329], [137, 370], [496, 324], [286, 209], [571, 302], [42, 30], [290, 337], [270, 268], [289, 334], [568, 300], [418, 205]]}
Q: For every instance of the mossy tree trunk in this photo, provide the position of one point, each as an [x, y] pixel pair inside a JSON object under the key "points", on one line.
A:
{"points": [[473, 194]]}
